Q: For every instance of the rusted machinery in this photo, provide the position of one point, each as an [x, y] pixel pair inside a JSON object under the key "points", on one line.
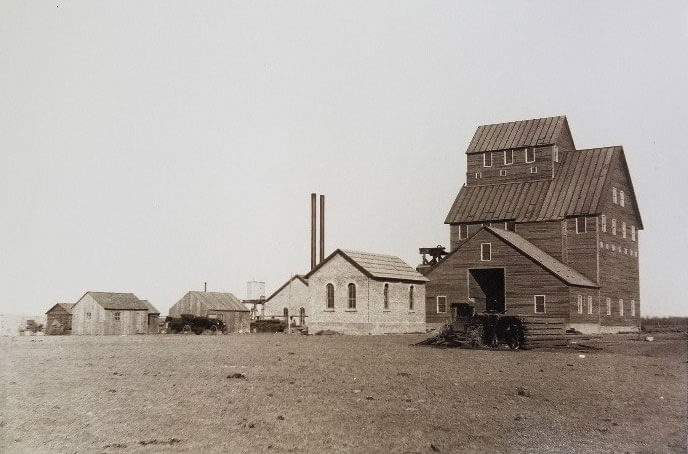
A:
{"points": [[436, 253]]}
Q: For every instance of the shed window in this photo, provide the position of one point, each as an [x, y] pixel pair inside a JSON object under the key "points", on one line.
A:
{"points": [[385, 300], [632, 233], [622, 198], [478, 175], [609, 306], [580, 224], [530, 155], [485, 252], [463, 231], [352, 296], [620, 307], [614, 196], [502, 173], [580, 304], [632, 308], [117, 315], [487, 159], [539, 304], [589, 304], [510, 226], [533, 169], [411, 298], [613, 226], [88, 316], [508, 157], [604, 223], [441, 304], [330, 296]]}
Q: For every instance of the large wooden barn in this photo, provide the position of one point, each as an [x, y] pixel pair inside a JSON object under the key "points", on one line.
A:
{"points": [[106, 313], [220, 305], [542, 228]]}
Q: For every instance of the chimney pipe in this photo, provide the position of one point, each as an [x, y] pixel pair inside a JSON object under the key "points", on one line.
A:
{"points": [[322, 228], [313, 208], [205, 286]]}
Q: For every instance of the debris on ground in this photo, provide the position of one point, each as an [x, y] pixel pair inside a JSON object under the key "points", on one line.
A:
{"points": [[280, 418], [171, 441], [434, 448], [523, 392], [237, 375], [327, 332]]}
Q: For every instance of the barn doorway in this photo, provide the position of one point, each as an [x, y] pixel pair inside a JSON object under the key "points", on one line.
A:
{"points": [[486, 288]]}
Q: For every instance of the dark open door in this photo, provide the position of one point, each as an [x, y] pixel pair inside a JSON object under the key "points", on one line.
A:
{"points": [[486, 287]]}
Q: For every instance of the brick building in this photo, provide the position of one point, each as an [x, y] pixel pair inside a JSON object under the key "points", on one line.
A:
{"points": [[289, 301], [541, 227]]}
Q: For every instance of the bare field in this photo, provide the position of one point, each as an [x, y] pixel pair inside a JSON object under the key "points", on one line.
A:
{"points": [[170, 393]]}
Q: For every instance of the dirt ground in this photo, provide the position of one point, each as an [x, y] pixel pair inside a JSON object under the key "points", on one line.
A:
{"points": [[171, 393]]}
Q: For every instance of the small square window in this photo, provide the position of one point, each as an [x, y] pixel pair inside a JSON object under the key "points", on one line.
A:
{"points": [[441, 304], [510, 226], [485, 252], [502, 173], [581, 224], [508, 157], [601, 244], [540, 304], [478, 175], [117, 315], [530, 155], [88, 316], [533, 169], [463, 231], [487, 159]]}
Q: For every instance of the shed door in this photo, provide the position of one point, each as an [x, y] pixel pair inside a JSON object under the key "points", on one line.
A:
{"points": [[140, 322]]}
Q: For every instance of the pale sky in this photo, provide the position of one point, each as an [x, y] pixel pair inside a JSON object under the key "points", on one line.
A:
{"points": [[148, 147]]}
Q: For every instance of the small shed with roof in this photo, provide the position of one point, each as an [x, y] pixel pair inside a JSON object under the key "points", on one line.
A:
{"points": [[59, 319], [223, 306], [363, 293], [108, 313]]}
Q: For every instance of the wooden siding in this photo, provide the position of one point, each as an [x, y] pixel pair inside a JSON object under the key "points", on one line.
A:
{"points": [[545, 235], [517, 134], [581, 248], [517, 172], [523, 279]]}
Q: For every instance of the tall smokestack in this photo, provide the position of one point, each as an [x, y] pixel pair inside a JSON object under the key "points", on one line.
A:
{"points": [[322, 228], [205, 286], [313, 208]]}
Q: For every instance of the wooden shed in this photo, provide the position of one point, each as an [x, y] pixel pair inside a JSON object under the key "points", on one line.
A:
{"points": [[107, 313], [221, 305], [59, 319]]}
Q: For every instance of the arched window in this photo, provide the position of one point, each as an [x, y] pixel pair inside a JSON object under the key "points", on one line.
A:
{"points": [[352, 296], [285, 311], [411, 298], [302, 317], [330, 296], [385, 294]]}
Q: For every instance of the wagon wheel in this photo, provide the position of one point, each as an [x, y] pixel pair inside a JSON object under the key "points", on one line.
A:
{"points": [[213, 330], [515, 337], [186, 329]]}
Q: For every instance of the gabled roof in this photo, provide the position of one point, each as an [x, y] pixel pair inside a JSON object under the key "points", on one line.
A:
{"points": [[117, 301], [577, 189], [151, 308], [554, 266], [67, 307], [377, 266], [517, 134], [300, 277], [217, 301]]}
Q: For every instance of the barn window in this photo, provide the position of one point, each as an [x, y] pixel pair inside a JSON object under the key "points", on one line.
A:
{"points": [[623, 229], [609, 306], [352, 296], [632, 308], [613, 226], [622, 198], [508, 157], [463, 231], [580, 304], [530, 155], [330, 296], [411, 298], [212, 315], [485, 252], [539, 304], [478, 175], [285, 312], [589, 304], [604, 223], [555, 153], [632, 233], [487, 159], [510, 226], [88, 316], [502, 173], [580, 224], [620, 307], [116, 314], [385, 293], [614, 196], [441, 304], [533, 169]]}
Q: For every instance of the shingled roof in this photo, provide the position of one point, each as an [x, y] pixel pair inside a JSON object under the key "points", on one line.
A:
{"points": [[151, 308], [377, 266], [517, 134], [217, 301], [554, 266], [575, 190], [118, 301], [67, 307]]}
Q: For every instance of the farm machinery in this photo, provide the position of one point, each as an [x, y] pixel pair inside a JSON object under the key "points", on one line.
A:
{"points": [[472, 329], [188, 323]]}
